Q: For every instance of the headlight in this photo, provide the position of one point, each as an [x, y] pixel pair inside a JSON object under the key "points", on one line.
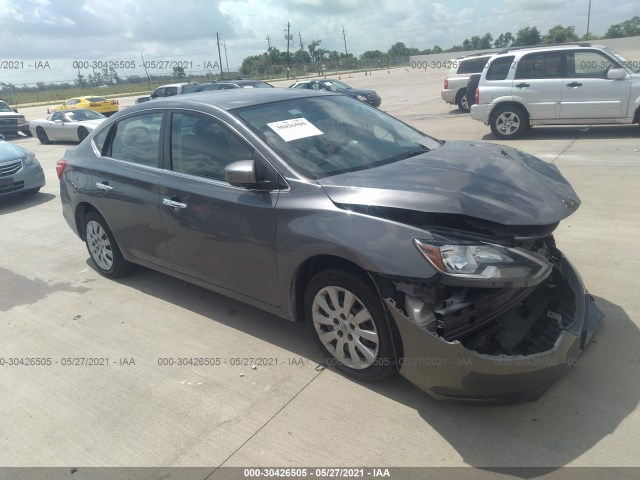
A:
{"points": [[488, 264], [30, 159]]}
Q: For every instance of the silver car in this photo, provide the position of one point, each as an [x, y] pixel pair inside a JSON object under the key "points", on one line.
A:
{"points": [[570, 84], [401, 252], [20, 171]]}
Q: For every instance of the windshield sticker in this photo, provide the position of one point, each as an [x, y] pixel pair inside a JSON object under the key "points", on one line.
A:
{"points": [[294, 129]]}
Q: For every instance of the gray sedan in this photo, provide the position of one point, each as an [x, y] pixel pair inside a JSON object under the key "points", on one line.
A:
{"points": [[400, 251]]}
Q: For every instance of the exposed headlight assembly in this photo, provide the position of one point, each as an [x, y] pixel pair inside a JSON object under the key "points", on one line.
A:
{"points": [[485, 264], [30, 159]]}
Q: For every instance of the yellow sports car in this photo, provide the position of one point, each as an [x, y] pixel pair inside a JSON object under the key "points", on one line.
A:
{"points": [[99, 104]]}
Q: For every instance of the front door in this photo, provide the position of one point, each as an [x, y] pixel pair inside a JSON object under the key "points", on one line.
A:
{"points": [[215, 232], [586, 90]]}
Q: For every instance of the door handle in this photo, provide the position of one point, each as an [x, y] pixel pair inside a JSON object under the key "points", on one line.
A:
{"points": [[574, 84], [104, 186], [173, 203], [522, 85]]}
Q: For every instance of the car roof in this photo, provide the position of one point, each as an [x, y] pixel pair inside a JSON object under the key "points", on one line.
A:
{"points": [[229, 99], [551, 46], [74, 110], [177, 84], [476, 55]]}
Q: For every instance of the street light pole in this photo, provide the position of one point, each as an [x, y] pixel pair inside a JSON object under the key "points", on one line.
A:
{"points": [[588, 19]]}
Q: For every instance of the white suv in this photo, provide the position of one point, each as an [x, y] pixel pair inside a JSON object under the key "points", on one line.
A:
{"points": [[455, 85], [570, 84]]}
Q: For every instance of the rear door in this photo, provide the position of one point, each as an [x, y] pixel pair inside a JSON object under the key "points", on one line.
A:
{"points": [[538, 80], [586, 90], [126, 181], [215, 232]]}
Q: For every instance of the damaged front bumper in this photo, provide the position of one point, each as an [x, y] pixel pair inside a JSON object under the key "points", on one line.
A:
{"points": [[558, 331]]}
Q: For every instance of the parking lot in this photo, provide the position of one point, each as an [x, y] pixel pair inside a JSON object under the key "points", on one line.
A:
{"points": [[134, 409]]}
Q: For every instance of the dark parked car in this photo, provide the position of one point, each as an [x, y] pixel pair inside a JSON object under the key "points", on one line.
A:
{"points": [[402, 252], [20, 171], [366, 96], [11, 122], [226, 85]]}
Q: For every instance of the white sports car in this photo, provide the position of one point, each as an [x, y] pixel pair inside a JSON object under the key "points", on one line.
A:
{"points": [[66, 125]]}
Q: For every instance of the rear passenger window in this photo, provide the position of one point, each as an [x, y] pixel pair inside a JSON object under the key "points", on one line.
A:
{"points": [[499, 68], [203, 146], [137, 139], [540, 65], [468, 66]]}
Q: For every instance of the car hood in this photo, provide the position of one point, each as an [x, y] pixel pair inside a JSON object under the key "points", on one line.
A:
{"points": [[11, 115], [9, 151], [482, 180], [90, 123], [356, 91]]}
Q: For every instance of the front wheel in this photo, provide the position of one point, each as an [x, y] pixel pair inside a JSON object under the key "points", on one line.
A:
{"points": [[102, 247], [347, 318], [42, 136], [509, 122]]}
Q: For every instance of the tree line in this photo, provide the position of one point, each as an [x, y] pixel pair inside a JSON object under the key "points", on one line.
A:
{"points": [[524, 37]]}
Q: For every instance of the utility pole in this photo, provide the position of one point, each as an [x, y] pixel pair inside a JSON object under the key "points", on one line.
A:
{"points": [[145, 69], [588, 19], [304, 68], [344, 37], [224, 44], [220, 57], [268, 42], [288, 43]]}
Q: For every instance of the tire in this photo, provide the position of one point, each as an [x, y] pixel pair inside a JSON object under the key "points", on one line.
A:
{"points": [[472, 85], [357, 341], [82, 133], [509, 122], [42, 136], [103, 249], [462, 101]]}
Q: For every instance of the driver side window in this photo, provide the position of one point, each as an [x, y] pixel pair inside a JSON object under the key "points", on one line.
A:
{"points": [[203, 146]]}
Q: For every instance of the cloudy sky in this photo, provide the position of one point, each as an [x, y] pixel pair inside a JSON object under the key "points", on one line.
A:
{"points": [[63, 31]]}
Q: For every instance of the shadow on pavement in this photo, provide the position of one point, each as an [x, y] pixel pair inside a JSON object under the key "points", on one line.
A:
{"points": [[17, 202], [583, 132], [578, 412]]}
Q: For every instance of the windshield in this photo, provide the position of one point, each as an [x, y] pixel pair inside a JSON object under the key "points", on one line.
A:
{"points": [[5, 108], [335, 86], [633, 66], [80, 115], [329, 135]]}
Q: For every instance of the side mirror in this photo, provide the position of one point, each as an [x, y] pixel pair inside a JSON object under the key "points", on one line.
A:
{"points": [[15, 110], [241, 173], [617, 74]]}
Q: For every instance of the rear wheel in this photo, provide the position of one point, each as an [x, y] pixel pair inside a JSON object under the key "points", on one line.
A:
{"points": [[42, 136], [509, 122], [82, 133], [462, 101], [102, 247], [347, 318]]}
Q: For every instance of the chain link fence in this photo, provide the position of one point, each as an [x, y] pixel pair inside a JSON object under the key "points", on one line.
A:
{"points": [[44, 92]]}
